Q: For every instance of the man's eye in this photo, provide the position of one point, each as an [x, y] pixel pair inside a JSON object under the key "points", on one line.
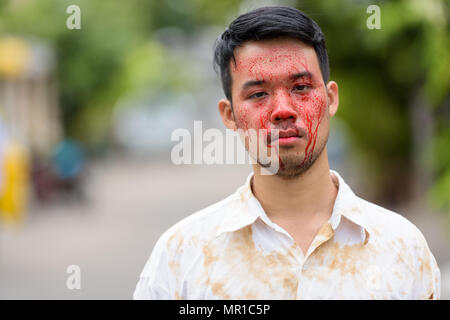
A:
{"points": [[257, 95], [302, 87]]}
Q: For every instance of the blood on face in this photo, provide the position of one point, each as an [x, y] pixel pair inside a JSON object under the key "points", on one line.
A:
{"points": [[277, 84]]}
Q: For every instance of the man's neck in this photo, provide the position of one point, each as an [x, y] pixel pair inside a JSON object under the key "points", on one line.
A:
{"points": [[306, 198]]}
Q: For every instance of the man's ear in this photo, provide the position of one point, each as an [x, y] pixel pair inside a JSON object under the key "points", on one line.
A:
{"points": [[226, 112], [333, 97]]}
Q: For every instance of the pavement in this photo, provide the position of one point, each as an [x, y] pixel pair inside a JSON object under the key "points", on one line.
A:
{"points": [[110, 236]]}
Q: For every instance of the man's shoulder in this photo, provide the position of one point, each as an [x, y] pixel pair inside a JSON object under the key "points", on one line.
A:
{"points": [[182, 243], [390, 226], [201, 225]]}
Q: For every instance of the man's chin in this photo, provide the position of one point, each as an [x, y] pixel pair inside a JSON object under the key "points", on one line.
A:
{"points": [[292, 169], [293, 165], [288, 167]]}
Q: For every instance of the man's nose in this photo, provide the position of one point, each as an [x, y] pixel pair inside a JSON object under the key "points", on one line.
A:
{"points": [[283, 109]]}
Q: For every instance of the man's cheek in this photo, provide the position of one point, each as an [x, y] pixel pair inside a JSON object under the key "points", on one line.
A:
{"points": [[242, 116], [312, 106], [242, 121], [253, 118], [264, 119], [319, 102]]}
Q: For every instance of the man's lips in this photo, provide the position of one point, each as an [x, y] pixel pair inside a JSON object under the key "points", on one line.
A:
{"points": [[285, 134]]}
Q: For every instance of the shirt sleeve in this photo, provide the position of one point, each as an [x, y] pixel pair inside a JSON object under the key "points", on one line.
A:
{"points": [[154, 282], [428, 281]]}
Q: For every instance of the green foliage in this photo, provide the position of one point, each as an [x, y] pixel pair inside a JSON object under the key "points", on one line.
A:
{"points": [[381, 71], [378, 71], [111, 54]]}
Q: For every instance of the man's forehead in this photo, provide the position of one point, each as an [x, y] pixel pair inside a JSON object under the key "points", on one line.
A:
{"points": [[282, 55]]}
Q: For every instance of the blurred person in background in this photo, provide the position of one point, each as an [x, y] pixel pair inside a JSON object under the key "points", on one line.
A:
{"points": [[14, 179], [301, 233], [68, 161], [62, 175]]}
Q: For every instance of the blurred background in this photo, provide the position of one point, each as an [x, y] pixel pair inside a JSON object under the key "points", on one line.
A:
{"points": [[86, 117]]}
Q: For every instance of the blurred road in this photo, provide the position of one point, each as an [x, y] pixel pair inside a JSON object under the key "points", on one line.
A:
{"points": [[111, 236]]}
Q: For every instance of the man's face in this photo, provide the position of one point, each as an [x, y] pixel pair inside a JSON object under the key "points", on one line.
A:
{"points": [[277, 84]]}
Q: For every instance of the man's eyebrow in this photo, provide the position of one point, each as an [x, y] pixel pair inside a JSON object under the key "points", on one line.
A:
{"points": [[252, 83], [293, 77], [304, 74]]}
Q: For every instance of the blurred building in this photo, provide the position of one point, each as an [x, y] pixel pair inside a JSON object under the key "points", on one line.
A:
{"points": [[29, 93], [29, 119]]}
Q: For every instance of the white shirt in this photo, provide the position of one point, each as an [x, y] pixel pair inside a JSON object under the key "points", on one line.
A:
{"points": [[232, 250]]}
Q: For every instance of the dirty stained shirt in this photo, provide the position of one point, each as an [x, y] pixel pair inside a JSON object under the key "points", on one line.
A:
{"points": [[232, 250]]}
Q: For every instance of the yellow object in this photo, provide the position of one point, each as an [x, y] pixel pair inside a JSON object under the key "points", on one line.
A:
{"points": [[14, 183], [14, 56]]}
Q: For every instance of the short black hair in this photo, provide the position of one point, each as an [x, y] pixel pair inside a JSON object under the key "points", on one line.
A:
{"points": [[268, 23]]}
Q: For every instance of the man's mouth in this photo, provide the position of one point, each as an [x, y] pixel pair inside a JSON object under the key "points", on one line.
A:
{"points": [[284, 135]]}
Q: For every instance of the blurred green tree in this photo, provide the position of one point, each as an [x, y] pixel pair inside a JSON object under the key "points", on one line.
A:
{"points": [[110, 55], [394, 91], [394, 82]]}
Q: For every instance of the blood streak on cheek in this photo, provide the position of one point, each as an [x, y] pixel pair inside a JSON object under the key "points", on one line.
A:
{"points": [[280, 162], [312, 112], [263, 128], [263, 118]]}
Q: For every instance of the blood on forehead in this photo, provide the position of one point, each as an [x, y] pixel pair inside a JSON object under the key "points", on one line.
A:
{"points": [[271, 63]]}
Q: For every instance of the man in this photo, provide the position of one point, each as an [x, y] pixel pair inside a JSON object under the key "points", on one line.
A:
{"points": [[301, 233]]}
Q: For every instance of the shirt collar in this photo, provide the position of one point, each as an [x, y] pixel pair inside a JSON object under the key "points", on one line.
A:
{"points": [[246, 209], [243, 211], [348, 205]]}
